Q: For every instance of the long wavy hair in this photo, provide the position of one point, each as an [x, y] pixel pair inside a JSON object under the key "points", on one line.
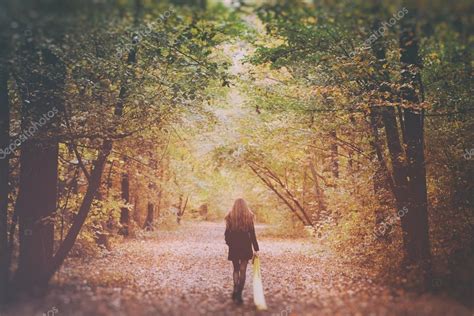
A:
{"points": [[240, 217]]}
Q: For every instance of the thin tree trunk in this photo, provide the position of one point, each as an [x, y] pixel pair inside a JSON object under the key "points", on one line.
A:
{"points": [[334, 155], [149, 217], [280, 195], [382, 178], [399, 171], [290, 195], [81, 216], [303, 191], [109, 178], [4, 178], [319, 193], [182, 208], [414, 137], [124, 211]]}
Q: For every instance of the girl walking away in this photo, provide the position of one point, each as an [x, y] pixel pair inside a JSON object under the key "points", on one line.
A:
{"points": [[240, 236]]}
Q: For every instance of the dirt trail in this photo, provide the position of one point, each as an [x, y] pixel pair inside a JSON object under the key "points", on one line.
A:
{"points": [[185, 272]]}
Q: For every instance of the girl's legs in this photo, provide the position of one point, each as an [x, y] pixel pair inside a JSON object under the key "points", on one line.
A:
{"points": [[236, 277], [242, 275]]}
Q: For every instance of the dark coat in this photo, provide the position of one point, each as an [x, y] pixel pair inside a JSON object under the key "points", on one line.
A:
{"points": [[240, 244]]}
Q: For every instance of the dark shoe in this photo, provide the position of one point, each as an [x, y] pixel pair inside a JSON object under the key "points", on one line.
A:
{"points": [[234, 293], [239, 299]]}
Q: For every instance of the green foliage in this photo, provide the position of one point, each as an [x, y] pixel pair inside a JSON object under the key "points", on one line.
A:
{"points": [[314, 68], [273, 106]]}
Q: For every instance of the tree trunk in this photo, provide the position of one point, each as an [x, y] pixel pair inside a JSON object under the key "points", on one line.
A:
{"points": [[38, 189], [382, 178], [319, 193], [4, 178], [287, 200], [84, 209], [149, 217], [334, 155], [125, 212], [36, 206], [419, 250], [399, 171], [182, 208]]}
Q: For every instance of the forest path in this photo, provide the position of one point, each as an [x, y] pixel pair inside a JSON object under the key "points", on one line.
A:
{"points": [[185, 272]]}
